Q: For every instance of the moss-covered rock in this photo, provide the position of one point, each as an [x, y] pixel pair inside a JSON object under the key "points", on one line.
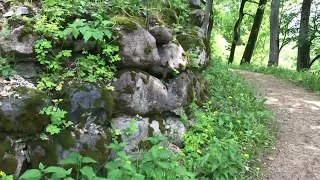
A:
{"points": [[89, 141], [180, 91], [189, 41], [21, 115], [168, 16], [9, 165], [137, 46], [197, 17], [87, 103], [193, 43], [44, 152], [129, 24], [162, 34]]}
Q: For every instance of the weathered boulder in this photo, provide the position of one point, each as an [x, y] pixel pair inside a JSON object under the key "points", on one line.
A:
{"points": [[137, 46], [200, 88], [175, 131], [20, 114], [19, 44], [197, 17], [134, 130], [26, 69], [87, 104], [173, 58], [180, 91], [195, 4], [12, 155], [90, 141], [192, 44], [163, 35], [137, 92], [16, 11]]}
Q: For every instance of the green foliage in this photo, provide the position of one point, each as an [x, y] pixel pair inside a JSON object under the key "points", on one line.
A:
{"points": [[57, 118], [132, 127], [4, 176], [59, 22], [193, 56], [5, 68], [231, 129], [158, 163], [53, 172]]}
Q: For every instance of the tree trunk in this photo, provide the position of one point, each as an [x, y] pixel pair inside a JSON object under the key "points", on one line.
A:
{"points": [[246, 58], [304, 44], [205, 26], [274, 33], [236, 32]]}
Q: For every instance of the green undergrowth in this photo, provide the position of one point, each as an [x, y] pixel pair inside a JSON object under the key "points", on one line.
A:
{"points": [[309, 79], [226, 141], [231, 130]]}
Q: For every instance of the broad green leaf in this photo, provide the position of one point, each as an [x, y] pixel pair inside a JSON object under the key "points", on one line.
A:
{"points": [[108, 33], [32, 174], [72, 159], [75, 33], [41, 166], [88, 160], [87, 35], [88, 172], [98, 35]]}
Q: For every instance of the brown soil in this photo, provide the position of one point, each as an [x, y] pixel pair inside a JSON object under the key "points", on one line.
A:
{"points": [[297, 153]]}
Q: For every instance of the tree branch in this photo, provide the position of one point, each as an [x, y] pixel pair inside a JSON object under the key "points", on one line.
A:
{"points": [[248, 14], [253, 2], [313, 60]]}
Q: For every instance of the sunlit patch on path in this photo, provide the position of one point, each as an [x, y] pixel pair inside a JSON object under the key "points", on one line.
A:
{"points": [[297, 154]]}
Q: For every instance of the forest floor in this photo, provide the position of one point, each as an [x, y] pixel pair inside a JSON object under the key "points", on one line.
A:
{"points": [[297, 153]]}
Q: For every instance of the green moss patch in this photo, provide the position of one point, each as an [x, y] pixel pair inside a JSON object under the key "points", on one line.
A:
{"points": [[148, 49], [49, 157], [189, 42], [9, 165], [65, 139], [101, 153], [168, 16], [130, 25], [28, 120]]}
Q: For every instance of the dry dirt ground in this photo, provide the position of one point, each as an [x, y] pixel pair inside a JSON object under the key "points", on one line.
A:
{"points": [[297, 153]]}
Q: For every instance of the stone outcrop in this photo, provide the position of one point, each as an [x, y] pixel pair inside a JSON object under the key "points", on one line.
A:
{"points": [[137, 92], [19, 44], [157, 79], [163, 35]]}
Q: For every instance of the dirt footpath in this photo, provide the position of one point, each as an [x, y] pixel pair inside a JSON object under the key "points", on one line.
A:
{"points": [[297, 154]]}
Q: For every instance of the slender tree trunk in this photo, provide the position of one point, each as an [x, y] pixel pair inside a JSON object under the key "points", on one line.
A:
{"points": [[274, 33], [205, 26], [246, 58], [303, 59], [236, 32]]}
